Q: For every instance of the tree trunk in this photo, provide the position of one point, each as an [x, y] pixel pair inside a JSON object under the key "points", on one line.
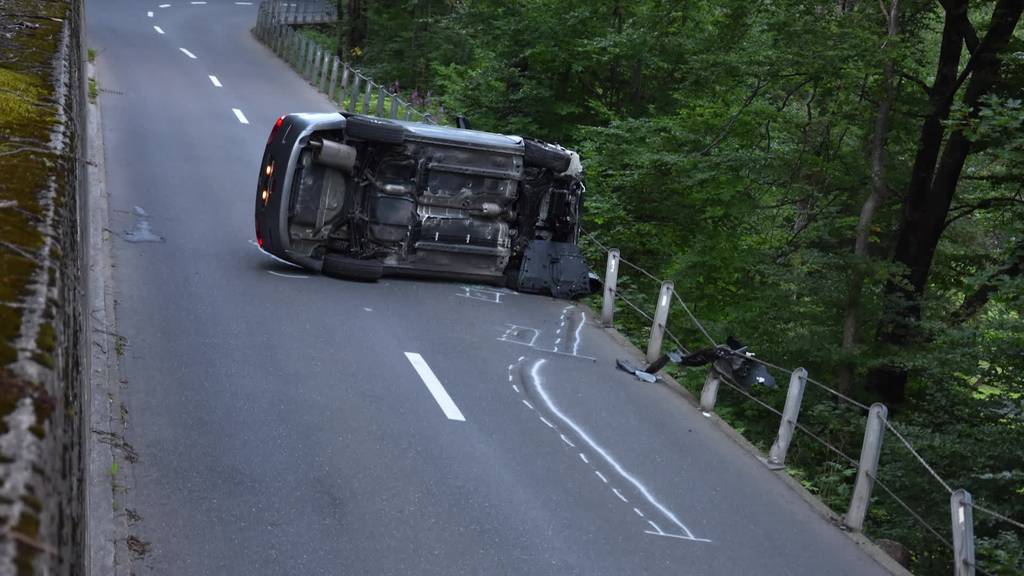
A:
{"points": [[932, 188], [974, 302], [879, 190]]}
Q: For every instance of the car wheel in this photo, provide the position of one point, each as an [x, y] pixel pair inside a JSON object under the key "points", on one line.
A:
{"points": [[544, 155], [340, 266], [374, 130]]}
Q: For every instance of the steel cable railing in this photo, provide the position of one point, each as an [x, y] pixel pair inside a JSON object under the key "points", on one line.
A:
{"points": [[796, 425]]}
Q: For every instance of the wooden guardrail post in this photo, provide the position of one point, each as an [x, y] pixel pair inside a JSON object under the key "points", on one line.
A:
{"points": [[611, 282], [794, 396], [709, 394], [660, 321], [870, 451], [963, 532]]}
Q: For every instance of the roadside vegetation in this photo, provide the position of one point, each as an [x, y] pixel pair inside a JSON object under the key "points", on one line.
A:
{"points": [[838, 184]]}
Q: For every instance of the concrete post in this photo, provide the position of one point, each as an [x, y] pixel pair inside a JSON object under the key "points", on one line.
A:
{"points": [[314, 55], [334, 78], [366, 97], [709, 394], [611, 283], [394, 106], [660, 321], [325, 66], [381, 94], [354, 95], [794, 396], [294, 57], [870, 451], [963, 532], [343, 87]]}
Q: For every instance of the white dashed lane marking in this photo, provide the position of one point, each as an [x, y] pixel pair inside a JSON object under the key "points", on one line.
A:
{"points": [[215, 82], [158, 29], [164, 6], [187, 53], [149, 14], [435, 387], [241, 117]]}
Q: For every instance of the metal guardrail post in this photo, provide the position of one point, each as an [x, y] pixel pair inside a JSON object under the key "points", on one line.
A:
{"points": [[794, 396], [660, 321], [611, 282], [709, 394], [963, 532], [870, 451]]}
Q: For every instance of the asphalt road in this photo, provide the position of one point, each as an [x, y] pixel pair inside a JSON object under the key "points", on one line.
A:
{"points": [[288, 424]]}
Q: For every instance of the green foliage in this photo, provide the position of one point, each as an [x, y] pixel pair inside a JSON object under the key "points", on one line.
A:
{"points": [[728, 147]]}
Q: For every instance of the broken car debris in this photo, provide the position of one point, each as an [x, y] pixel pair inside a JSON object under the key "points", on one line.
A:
{"points": [[730, 359]]}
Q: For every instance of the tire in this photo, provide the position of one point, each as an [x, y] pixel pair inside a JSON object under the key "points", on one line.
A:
{"points": [[374, 130], [544, 155], [340, 266]]}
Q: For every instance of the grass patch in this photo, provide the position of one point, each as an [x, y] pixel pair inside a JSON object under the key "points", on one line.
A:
{"points": [[92, 55], [94, 89]]}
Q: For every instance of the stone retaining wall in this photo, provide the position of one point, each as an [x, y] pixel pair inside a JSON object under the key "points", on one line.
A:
{"points": [[42, 101]]}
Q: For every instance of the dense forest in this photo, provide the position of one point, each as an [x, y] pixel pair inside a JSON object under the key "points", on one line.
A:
{"points": [[839, 184]]}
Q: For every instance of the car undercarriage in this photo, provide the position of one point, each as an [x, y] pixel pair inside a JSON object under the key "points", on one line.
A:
{"points": [[361, 197]]}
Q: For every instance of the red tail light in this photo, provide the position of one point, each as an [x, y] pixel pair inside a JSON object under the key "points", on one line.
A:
{"points": [[273, 131], [259, 233]]}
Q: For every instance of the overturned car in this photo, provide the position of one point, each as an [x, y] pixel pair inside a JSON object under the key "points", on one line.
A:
{"points": [[361, 197]]}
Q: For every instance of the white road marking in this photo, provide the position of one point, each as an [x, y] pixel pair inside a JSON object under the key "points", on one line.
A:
{"points": [[195, 3], [619, 494], [638, 512], [604, 454], [241, 117], [576, 337], [187, 53], [149, 14], [567, 441], [516, 388], [283, 275], [243, 3], [546, 421], [601, 476], [367, 309], [164, 6], [655, 526], [434, 386], [158, 29], [584, 458], [215, 81], [676, 536], [528, 405]]}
